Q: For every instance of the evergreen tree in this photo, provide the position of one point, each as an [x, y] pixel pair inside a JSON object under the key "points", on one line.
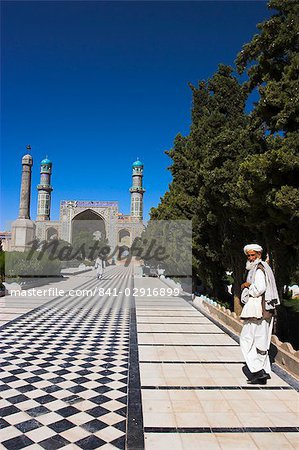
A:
{"points": [[236, 175], [268, 183], [272, 63], [204, 169]]}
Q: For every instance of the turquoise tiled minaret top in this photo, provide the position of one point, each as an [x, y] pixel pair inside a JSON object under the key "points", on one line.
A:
{"points": [[137, 163], [46, 161]]}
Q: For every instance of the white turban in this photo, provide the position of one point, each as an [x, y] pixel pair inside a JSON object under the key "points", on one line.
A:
{"points": [[253, 247]]}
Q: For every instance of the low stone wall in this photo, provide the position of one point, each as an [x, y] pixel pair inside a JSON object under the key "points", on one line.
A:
{"points": [[76, 270], [286, 356]]}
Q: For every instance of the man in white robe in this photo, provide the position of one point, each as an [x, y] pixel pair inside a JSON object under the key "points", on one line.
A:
{"points": [[99, 265], [260, 296]]}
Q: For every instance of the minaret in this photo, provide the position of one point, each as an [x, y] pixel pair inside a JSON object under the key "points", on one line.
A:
{"points": [[25, 194], [137, 190], [23, 229], [44, 191]]}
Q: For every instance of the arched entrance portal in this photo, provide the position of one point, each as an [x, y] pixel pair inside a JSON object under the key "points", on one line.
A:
{"points": [[88, 227], [51, 233], [124, 237]]}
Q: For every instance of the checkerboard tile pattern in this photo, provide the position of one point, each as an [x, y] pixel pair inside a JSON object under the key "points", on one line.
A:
{"points": [[64, 370]]}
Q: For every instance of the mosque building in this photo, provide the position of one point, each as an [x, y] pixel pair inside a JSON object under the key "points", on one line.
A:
{"points": [[102, 217]]}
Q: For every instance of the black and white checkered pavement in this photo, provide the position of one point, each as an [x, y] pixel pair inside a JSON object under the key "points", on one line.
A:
{"points": [[64, 370]]}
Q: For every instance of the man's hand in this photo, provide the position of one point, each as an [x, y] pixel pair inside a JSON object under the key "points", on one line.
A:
{"points": [[244, 285]]}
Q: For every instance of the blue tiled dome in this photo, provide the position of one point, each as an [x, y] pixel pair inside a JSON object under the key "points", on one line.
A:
{"points": [[137, 163], [46, 161]]}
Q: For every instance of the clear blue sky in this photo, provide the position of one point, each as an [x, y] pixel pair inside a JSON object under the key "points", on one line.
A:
{"points": [[94, 84]]}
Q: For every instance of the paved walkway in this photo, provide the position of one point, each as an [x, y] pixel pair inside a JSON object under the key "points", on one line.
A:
{"points": [[71, 379], [64, 371], [17, 306], [194, 394]]}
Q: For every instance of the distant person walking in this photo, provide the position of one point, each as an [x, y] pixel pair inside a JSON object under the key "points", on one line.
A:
{"points": [[99, 265], [260, 297]]}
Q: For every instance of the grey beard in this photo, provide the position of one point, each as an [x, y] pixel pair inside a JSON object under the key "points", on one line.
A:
{"points": [[251, 264]]}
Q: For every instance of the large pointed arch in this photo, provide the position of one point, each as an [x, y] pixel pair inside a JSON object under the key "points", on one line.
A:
{"points": [[91, 222], [124, 237]]}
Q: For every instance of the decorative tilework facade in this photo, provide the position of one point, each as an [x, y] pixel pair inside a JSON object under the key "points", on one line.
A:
{"points": [[119, 229]]}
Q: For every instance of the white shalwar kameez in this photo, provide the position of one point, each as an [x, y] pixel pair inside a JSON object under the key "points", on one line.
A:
{"points": [[256, 333], [99, 265]]}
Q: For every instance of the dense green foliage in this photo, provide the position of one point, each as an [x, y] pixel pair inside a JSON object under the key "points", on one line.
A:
{"points": [[269, 182], [167, 244], [236, 174], [272, 63], [29, 264]]}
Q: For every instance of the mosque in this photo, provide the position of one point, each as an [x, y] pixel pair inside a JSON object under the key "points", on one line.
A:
{"points": [[103, 216]]}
